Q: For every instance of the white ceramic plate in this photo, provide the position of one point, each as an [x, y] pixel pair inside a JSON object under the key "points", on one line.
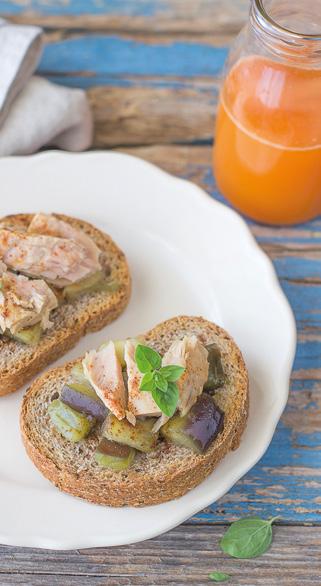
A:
{"points": [[188, 255]]}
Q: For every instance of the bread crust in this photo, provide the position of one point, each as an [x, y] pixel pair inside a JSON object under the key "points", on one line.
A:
{"points": [[100, 310], [160, 476]]}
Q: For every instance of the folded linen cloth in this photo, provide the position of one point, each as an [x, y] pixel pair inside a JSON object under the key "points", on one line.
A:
{"points": [[46, 114], [20, 52], [34, 112]]}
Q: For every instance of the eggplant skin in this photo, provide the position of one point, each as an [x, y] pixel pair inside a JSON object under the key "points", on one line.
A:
{"points": [[83, 403], [198, 428], [204, 422], [110, 448]]}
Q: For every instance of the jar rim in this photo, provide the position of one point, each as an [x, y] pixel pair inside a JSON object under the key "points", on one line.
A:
{"points": [[259, 4]]}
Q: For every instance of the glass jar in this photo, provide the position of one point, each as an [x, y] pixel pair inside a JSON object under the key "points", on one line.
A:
{"points": [[267, 154]]}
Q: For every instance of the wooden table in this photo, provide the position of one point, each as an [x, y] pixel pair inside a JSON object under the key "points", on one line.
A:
{"points": [[151, 71]]}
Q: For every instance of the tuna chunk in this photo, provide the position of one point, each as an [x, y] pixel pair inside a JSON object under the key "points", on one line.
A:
{"points": [[139, 402], [192, 355], [24, 303], [103, 370], [49, 225], [57, 260]]}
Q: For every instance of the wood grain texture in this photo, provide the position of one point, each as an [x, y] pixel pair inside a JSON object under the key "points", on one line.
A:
{"points": [[135, 116], [197, 17], [186, 555], [123, 56]]}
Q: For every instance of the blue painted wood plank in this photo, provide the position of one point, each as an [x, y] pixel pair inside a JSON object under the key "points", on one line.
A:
{"points": [[74, 7], [300, 278], [287, 481], [115, 56], [294, 267], [308, 356], [305, 301]]}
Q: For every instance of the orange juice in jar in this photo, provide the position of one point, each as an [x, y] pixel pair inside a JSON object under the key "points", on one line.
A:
{"points": [[267, 153]]}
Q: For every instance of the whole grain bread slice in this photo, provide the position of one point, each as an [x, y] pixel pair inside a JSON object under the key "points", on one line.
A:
{"points": [[164, 474], [72, 320]]}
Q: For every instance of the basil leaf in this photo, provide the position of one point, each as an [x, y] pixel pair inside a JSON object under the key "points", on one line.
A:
{"points": [[160, 382], [219, 577], [157, 380], [172, 372], [147, 359], [167, 402], [247, 538], [147, 382]]}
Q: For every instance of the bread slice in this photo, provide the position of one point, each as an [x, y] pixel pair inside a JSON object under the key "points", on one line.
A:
{"points": [[72, 320], [162, 475]]}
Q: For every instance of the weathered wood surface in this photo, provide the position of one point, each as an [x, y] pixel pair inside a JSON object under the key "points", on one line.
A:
{"points": [[151, 69], [196, 17], [135, 116], [186, 555]]}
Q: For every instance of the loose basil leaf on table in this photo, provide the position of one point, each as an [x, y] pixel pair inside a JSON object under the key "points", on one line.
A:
{"points": [[248, 538]]}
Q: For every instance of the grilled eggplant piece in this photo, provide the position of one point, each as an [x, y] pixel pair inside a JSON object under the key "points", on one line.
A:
{"points": [[216, 376], [139, 436], [115, 456], [72, 425], [198, 428], [83, 399], [29, 336], [95, 283]]}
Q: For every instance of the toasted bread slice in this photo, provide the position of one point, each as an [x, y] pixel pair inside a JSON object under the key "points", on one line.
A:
{"points": [[72, 320], [156, 477]]}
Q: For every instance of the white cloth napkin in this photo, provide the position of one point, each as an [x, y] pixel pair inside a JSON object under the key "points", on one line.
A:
{"points": [[34, 112]]}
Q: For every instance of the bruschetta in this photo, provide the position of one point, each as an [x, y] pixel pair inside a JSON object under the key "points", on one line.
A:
{"points": [[140, 421], [59, 279]]}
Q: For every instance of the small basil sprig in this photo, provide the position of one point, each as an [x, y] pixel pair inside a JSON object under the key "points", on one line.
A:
{"points": [[248, 538], [219, 577], [158, 380]]}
